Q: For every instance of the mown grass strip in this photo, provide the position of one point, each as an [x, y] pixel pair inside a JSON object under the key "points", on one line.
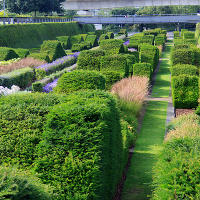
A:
{"points": [[139, 177], [162, 83]]}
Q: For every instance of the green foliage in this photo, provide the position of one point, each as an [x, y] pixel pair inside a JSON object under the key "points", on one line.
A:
{"points": [[18, 35], [81, 46], [84, 36], [188, 35], [92, 39], [143, 69], [80, 80], [90, 59], [53, 48], [81, 150], [131, 59], [135, 53], [40, 56], [98, 33], [183, 31], [116, 62], [112, 46], [176, 34], [37, 86], [111, 78], [7, 54], [160, 40], [65, 41], [76, 39], [181, 46], [22, 53], [20, 77], [110, 35], [185, 91], [184, 69], [21, 185], [155, 32], [123, 32], [103, 37]]}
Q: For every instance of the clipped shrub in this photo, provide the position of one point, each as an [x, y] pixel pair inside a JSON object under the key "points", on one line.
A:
{"points": [[76, 39], [84, 36], [110, 35], [7, 53], [80, 80], [22, 53], [111, 78], [183, 31], [98, 33], [53, 48], [188, 35], [123, 32], [81, 46], [17, 184], [81, 151], [143, 69], [65, 41], [20, 77], [181, 46], [184, 69], [115, 63], [160, 40], [190, 42], [130, 61], [103, 37], [40, 56], [90, 59], [92, 39], [112, 46], [135, 53], [185, 91], [176, 34]]}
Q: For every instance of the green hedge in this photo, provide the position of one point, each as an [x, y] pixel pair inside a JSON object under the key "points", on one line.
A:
{"points": [[160, 40], [40, 56], [112, 46], [181, 46], [115, 63], [90, 59], [123, 32], [143, 69], [84, 36], [20, 77], [110, 35], [7, 54], [81, 151], [185, 91], [188, 35], [92, 39], [65, 41], [176, 34], [81, 46], [103, 37], [98, 33], [22, 53], [76, 39], [131, 59], [183, 31], [53, 48], [135, 53], [17, 184], [80, 80], [18, 35], [179, 69]]}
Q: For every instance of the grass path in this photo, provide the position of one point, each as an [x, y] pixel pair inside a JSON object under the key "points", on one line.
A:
{"points": [[139, 177]]}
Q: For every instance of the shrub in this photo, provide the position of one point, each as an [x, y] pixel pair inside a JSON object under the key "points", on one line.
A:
{"points": [[103, 37], [123, 32], [20, 77], [98, 33], [112, 46], [81, 46], [80, 80], [176, 34], [81, 151], [185, 91], [135, 53], [190, 42], [110, 35], [84, 36], [22, 118], [130, 61], [76, 39], [179, 69], [65, 41], [90, 59], [7, 53], [183, 31], [22, 53], [115, 63], [182, 56], [188, 35], [92, 39], [53, 48], [40, 56], [111, 77], [160, 40], [17, 184], [143, 69], [181, 46]]}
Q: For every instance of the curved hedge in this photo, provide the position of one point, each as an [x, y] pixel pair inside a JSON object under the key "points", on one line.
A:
{"points": [[92, 39], [80, 80], [65, 41], [7, 54], [177, 70]]}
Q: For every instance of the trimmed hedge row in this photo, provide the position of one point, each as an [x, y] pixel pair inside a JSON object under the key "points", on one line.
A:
{"points": [[92, 39], [160, 40], [184, 69], [110, 35], [81, 46], [176, 34], [7, 54], [18, 35], [65, 41], [103, 37], [123, 32], [188, 35], [143, 69], [40, 56]]}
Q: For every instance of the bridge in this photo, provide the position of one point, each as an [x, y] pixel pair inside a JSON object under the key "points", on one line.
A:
{"points": [[96, 4], [151, 19]]}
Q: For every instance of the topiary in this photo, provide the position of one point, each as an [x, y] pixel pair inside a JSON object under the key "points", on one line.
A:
{"points": [[179, 69], [7, 53], [143, 69], [65, 41]]}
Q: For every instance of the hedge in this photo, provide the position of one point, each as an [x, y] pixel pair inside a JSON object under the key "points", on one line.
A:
{"points": [[112, 46], [81, 46], [22, 118], [154, 32], [115, 63], [181, 46], [18, 184], [40, 56], [92, 39], [185, 91], [84, 36], [65, 41], [111, 78], [184, 69], [22, 53], [160, 40], [131, 59], [143, 69], [176, 34], [183, 31], [103, 37], [53, 48], [20, 77], [135, 53], [81, 151], [79, 80], [188, 35], [110, 35], [123, 32], [90, 59], [76, 39], [98, 33], [7, 54], [18, 35]]}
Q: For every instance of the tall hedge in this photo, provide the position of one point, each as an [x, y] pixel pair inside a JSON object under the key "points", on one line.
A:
{"points": [[185, 91], [65, 41], [103, 37], [80, 80], [32, 35], [176, 34], [92, 39], [143, 69], [189, 35], [179, 69], [90, 59], [81, 150]]}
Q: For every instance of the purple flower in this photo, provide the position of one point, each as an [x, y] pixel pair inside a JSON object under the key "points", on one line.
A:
{"points": [[49, 87], [127, 42]]}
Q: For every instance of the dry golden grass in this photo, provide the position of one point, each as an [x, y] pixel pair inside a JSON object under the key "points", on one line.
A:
{"points": [[132, 89], [25, 62]]}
